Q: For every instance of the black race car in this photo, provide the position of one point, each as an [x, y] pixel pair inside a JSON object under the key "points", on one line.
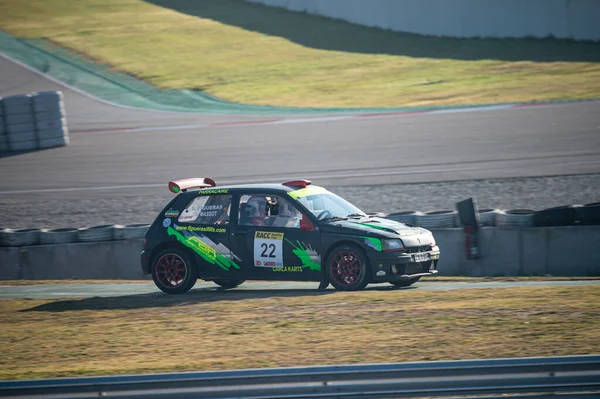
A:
{"points": [[290, 231]]}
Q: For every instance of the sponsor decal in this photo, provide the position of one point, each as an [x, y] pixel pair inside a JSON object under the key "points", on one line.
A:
{"points": [[268, 249], [204, 229], [213, 191], [381, 273], [166, 222], [309, 257], [374, 243], [288, 269], [171, 213], [216, 254]]}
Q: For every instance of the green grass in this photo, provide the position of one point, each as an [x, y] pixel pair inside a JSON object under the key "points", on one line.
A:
{"points": [[250, 53], [208, 330]]}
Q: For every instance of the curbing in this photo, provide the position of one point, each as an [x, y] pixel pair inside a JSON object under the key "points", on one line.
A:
{"points": [[557, 251]]}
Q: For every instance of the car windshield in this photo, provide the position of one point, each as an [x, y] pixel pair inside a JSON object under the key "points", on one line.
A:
{"points": [[329, 206]]}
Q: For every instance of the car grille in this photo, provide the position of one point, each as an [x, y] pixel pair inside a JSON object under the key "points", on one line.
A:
{"points": [[422, 248]]}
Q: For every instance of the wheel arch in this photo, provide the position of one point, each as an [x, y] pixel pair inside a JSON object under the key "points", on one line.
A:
{"points": [[171, 244]]}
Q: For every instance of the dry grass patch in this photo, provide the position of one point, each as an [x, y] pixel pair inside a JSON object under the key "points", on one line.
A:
{"points": [[250, 53], [208, 330]]}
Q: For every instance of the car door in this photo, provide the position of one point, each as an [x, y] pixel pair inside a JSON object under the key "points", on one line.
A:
{"points": [[274, 239], [203, 226]]}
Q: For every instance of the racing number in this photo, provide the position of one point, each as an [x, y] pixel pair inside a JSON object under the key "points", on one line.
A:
{"points": [[266, 247]]}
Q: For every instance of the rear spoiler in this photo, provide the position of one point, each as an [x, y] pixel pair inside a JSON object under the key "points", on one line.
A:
{"points": [[176, 186]]}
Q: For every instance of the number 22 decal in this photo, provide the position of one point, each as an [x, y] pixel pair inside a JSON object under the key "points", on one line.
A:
{"points": [[265, 248]]}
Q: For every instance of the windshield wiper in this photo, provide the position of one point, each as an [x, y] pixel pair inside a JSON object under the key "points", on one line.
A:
{"points": [[357, 215]]}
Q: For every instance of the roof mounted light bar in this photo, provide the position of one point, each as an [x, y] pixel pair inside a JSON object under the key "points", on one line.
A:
{"points": [[177, 186], [297, 183]]}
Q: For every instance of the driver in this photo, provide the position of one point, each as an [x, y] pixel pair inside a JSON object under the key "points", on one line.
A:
{"points": [[259, 212]]}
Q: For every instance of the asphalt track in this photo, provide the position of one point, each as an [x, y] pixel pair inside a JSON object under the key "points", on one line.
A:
{"points": [[258, 288], [107, 160]]}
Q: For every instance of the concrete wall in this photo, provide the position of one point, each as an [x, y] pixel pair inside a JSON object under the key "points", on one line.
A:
{"points": [[572, 19], [558, 251], [99, 260]]}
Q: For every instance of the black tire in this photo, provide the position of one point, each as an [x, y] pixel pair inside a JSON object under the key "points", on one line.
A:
{"points": [[558, 216], [405, 283], [589, 214], [173, 271], [347, 268], [227, 284]]}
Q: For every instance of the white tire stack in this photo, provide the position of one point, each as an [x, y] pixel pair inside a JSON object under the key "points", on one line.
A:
{"points": [[437, 220], [50, 119], [33, 121], [19, 123], [404, 216], [515, 218]]}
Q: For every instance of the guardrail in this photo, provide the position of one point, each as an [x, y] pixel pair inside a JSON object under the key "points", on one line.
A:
{"points": [[578, 376]]}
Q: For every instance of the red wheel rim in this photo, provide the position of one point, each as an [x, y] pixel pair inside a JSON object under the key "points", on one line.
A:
{"points": [[171, 270], [346, 268]]}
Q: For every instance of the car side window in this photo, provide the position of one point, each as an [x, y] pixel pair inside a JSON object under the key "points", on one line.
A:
{"points": [[267, 210], [207, 209]]}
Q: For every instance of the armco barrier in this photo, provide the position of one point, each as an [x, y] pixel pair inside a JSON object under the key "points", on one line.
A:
{"points": [[567, 19], [33, 121], [557, 251]]}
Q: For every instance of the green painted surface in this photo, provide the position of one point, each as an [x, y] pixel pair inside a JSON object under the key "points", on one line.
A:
{"points": [[204, 250], [376, 242], [302, 252]]}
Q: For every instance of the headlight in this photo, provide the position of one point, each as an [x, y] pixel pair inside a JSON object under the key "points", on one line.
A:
{"points": [[392, 245]]}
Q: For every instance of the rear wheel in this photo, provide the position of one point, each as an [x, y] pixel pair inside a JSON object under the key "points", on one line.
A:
{"points": [[227, 284], [173, 271], [348, 268], [405, 283]]}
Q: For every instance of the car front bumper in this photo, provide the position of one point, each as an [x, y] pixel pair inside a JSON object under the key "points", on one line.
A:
{"points": [[387, 266]]}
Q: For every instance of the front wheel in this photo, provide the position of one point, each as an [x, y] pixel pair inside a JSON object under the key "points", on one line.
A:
{"points": [[227, 284], [173, 271], [347, 268], [405, 283]]}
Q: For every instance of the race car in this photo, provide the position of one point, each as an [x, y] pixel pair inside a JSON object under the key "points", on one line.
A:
{"points": [[293, 231]]}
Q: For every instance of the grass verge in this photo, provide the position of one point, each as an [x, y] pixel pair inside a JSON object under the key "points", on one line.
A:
{"points": [[254, 54], [207, 330]]}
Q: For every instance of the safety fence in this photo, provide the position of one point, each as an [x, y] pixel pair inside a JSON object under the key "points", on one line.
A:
{"points": [[553, 377], [33, 121]]}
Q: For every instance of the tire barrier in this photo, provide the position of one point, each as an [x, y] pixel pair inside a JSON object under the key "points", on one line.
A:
{"points": [[487, 217], [515, 218], [130, 231], [407, 217], [589, 214], [58, 236], [557, 216], [19, 238], [568, 215], [437, 220], [96, 233], [33, 121]]}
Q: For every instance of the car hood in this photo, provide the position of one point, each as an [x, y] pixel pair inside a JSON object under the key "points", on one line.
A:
{"points": [[411, 236]]}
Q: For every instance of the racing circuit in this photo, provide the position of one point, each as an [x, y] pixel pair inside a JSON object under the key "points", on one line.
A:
{"points": [[121, 158], [116, 170]]}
